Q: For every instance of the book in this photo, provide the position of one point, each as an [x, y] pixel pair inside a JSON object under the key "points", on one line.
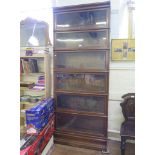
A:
{"points": [[21, 67], [29, 66]]}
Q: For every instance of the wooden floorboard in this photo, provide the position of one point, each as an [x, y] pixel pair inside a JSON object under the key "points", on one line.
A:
{"points": [[113, 146]]}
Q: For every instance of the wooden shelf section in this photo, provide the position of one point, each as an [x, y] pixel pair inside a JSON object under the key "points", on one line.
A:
{"points": [[29, 103], [81, 70], [82, 113], [35, 56], [44, 68], [32, 74], [36, 47], [22, 114], [81, 92], [28, 89]]}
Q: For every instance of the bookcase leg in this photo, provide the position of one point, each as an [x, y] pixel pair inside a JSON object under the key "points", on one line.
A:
{"points": [[105, 150]]}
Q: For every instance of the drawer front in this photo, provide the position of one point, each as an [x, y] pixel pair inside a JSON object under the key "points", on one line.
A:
{"points": [[84, 103], [80, 123], [81, 60], [82, 40], [82, 19], [88, 82]]}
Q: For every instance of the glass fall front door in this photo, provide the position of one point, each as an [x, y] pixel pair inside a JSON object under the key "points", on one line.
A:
{"points": [[79, 123], [82, 19], [82, 40], [81, 103], [81, 82], [81, 60]]}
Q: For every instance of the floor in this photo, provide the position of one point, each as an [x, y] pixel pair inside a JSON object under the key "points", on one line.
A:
{"points": [[114, 149]]}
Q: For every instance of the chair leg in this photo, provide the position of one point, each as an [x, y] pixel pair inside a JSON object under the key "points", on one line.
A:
{"points": [[123, 142]]}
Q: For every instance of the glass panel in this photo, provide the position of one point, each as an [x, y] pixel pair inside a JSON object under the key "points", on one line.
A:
{"points": [[81, 103], [77, 123], [86, 82], [92, 40], [81, 60], [33, 35], [94, 18]]}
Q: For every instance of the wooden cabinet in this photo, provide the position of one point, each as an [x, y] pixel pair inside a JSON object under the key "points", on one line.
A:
{"points": [[81, 74]]}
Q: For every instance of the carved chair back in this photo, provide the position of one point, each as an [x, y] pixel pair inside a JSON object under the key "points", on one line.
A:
{"points": [[128, 106]]}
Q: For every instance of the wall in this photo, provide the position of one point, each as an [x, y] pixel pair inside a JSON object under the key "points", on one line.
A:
{"points": [[122, 74]]}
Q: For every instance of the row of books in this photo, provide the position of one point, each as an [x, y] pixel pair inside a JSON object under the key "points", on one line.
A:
{"points": [[40, 85], [41, 80], [29, 66]]}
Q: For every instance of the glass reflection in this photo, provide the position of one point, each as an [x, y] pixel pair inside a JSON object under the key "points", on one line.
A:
{"points": [[66, 25]]}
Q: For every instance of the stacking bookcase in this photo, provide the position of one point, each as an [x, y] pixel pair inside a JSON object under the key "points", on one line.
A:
{"points": [[81, 74]]}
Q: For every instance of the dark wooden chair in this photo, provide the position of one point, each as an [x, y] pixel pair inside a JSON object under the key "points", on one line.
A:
{"points": [[128, 126]]}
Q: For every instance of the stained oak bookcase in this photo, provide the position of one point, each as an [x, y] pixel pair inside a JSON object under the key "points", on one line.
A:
{"points": [[81, 74]]}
